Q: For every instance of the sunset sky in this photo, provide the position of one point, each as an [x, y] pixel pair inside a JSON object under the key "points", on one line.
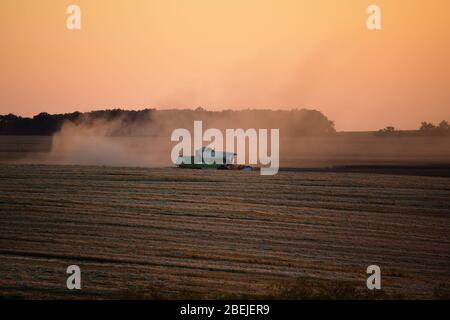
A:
{"points": [[230, 54]]}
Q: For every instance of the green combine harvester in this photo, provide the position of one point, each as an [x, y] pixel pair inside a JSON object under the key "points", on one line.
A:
{"points": [[207, 158]]}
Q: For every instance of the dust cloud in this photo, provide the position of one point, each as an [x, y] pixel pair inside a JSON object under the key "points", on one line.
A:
{"points": [[96, 142]]}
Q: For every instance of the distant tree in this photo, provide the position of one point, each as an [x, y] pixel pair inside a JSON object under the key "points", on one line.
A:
{"points": [[425, 126], [444, 126], [430, 129], [42, 116], [386, 131]]}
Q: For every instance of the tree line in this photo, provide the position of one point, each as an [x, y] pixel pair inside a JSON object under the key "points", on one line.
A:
{"points": [[426, 129], [154, 122]]}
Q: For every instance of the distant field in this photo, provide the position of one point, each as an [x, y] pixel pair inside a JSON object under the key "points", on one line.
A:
{"points": [[295, 152], [170, 233], [13, 148]]}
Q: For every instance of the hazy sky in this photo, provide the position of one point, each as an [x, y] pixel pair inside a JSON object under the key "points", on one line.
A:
{"points": [[230, 54]]}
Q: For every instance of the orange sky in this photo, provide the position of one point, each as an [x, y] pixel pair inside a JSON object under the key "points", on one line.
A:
{"points": [[230, 54]]}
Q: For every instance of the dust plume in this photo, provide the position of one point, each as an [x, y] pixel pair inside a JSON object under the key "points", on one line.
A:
{"points": [[97, 142]]}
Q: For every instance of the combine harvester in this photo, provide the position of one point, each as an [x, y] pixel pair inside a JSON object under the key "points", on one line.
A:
{"points": [[207, 158]]}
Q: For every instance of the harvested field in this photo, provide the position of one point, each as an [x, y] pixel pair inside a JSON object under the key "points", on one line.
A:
{"points": [[169, 233]]}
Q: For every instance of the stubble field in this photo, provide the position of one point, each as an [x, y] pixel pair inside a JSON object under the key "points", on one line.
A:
{"points": [[170, 233]]}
